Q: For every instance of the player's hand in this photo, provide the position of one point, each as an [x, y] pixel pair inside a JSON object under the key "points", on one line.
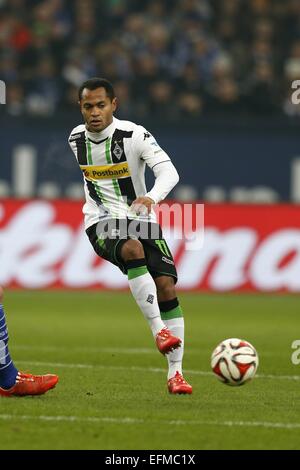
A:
{"points": [[142, 205]]}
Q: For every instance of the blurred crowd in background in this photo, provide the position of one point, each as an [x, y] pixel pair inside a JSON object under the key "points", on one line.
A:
{"points": [[170, 59]]}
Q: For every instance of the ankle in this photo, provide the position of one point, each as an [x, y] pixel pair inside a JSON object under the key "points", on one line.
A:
{"points": [[173, 368]]}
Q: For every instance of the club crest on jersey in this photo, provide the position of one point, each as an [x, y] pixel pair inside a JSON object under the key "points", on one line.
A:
{"points": [[118, 152]]}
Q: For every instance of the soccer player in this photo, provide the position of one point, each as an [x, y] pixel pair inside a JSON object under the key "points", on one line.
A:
{"points": [[119, 217], [12, 381]]}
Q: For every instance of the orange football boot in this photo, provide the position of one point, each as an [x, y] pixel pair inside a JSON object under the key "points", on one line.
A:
{"points": [[177, 384], [28, 384], [166, 342]]}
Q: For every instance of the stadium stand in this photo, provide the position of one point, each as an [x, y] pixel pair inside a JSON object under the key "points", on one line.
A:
{"points": [[173, 59]]}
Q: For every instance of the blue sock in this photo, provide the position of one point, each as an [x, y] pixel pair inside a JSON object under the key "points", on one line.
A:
{"points": [[8, 372]]}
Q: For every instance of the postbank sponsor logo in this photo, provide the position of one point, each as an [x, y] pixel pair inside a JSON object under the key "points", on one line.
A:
{"points": [[119, 170]]}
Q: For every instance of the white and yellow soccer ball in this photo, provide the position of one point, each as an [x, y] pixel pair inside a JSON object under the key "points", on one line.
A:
{"points": [[234, 361]]}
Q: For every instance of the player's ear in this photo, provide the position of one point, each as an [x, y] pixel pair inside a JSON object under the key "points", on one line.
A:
{"points": [[114, 104]]}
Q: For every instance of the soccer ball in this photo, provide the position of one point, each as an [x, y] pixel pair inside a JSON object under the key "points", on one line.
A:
{"points": [[234, 361]]}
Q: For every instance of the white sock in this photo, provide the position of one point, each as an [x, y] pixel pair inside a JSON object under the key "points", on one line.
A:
{"points": [[143, 289], [176, 326]]}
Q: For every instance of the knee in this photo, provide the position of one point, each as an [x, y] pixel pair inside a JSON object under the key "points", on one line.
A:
{"points": [[1, 294], [165, 288], [132, 249]]}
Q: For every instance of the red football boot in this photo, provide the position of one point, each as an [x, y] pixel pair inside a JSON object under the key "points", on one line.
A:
{"points": [[166, 342], [177, 384], [28, 384]]}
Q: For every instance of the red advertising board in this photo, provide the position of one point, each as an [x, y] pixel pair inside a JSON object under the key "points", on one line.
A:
{"points": [[245, 248]]}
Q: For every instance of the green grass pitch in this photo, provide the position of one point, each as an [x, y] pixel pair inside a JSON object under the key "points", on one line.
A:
{"points": [[112, 391]]}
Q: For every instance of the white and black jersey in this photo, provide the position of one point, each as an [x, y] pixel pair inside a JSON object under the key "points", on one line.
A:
{"points": [[113, 165]]}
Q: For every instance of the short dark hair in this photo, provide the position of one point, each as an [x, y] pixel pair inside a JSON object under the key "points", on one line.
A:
{"points": [[94, 83]]}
